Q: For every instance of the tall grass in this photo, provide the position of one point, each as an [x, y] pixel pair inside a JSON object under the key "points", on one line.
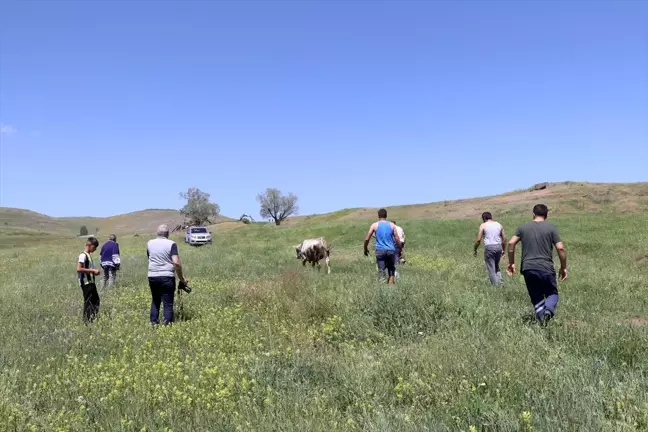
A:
{"points": [[265, 344]]}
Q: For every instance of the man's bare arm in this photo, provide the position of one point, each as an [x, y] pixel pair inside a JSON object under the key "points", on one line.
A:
{"points": [[503, 241], [372, 229], [178, 266], [562, 254], [511, 248], [480, 234], [511, 255]]}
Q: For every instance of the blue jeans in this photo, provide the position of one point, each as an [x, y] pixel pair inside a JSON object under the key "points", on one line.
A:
{"points": [[162, 292], [386, 261]]}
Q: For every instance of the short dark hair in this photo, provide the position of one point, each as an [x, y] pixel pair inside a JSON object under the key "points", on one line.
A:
{"points": [[487, 216], [93, 241], [394, 222], [540, 210], [382, 214]]}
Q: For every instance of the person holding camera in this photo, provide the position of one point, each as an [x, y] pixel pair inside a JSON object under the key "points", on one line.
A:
{"points": [[163, 265]]}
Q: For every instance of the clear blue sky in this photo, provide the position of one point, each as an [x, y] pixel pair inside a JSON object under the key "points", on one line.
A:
{"points": [[116, 106]]}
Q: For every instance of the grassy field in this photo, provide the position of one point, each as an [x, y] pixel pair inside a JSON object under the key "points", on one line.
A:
{"points": [[265, 344]]}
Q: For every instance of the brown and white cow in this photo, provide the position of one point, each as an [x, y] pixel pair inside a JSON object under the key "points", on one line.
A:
{"points": [[314, 250]]}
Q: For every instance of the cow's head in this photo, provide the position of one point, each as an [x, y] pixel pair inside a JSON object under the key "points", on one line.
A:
{"points": [[298, 251]]}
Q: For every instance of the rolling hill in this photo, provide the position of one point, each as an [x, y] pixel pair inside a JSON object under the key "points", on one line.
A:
{"points": [[26, 222], [562, 198]]}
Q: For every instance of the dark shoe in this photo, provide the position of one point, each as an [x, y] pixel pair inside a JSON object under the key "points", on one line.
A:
{"points": [[546, 317]]}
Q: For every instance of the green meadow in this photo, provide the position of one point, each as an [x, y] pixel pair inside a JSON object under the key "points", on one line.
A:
{"points": [[264, 344]]}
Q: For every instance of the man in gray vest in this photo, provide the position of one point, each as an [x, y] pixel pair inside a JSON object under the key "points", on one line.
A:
{"points": [[163, 265], [494, 246]]}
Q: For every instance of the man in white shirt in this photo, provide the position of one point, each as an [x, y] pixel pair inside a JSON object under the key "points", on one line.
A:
{"points": [[401, 237], [399, 259], [492, 233]]}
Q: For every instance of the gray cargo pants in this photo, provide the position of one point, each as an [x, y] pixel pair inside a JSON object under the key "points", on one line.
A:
{"points": [[492, 256], [109, 277]]}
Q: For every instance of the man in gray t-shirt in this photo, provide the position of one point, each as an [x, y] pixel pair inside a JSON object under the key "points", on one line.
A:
{"points": [[538, 238]]}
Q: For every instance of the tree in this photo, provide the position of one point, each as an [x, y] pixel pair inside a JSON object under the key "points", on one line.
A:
{"points": [[276, 206], [198, 209], [83, 231]]}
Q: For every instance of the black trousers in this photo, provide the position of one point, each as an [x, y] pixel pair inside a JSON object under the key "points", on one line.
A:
{"points": [[90, 301], [543, 290], [386, 261], [162, 292]]}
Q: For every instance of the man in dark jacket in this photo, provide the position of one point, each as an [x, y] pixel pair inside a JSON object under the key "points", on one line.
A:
{"points": [[110, 261]]}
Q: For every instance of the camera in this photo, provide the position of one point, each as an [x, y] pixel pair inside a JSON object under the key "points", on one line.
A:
{"points": [[184, 287]]}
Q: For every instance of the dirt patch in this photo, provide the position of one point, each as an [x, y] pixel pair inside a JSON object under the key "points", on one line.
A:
{"points": [[643, 260], [637, 321]]}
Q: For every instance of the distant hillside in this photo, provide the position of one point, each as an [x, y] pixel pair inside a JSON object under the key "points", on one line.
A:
{"points": [[12, 218], [561, 198], [19, 220]]}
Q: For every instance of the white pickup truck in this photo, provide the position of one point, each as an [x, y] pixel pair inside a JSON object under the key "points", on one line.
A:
{"points": [[198, 236]]}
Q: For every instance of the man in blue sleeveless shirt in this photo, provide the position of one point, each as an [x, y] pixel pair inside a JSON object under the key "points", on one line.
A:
{"points": [[387, 244]]}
